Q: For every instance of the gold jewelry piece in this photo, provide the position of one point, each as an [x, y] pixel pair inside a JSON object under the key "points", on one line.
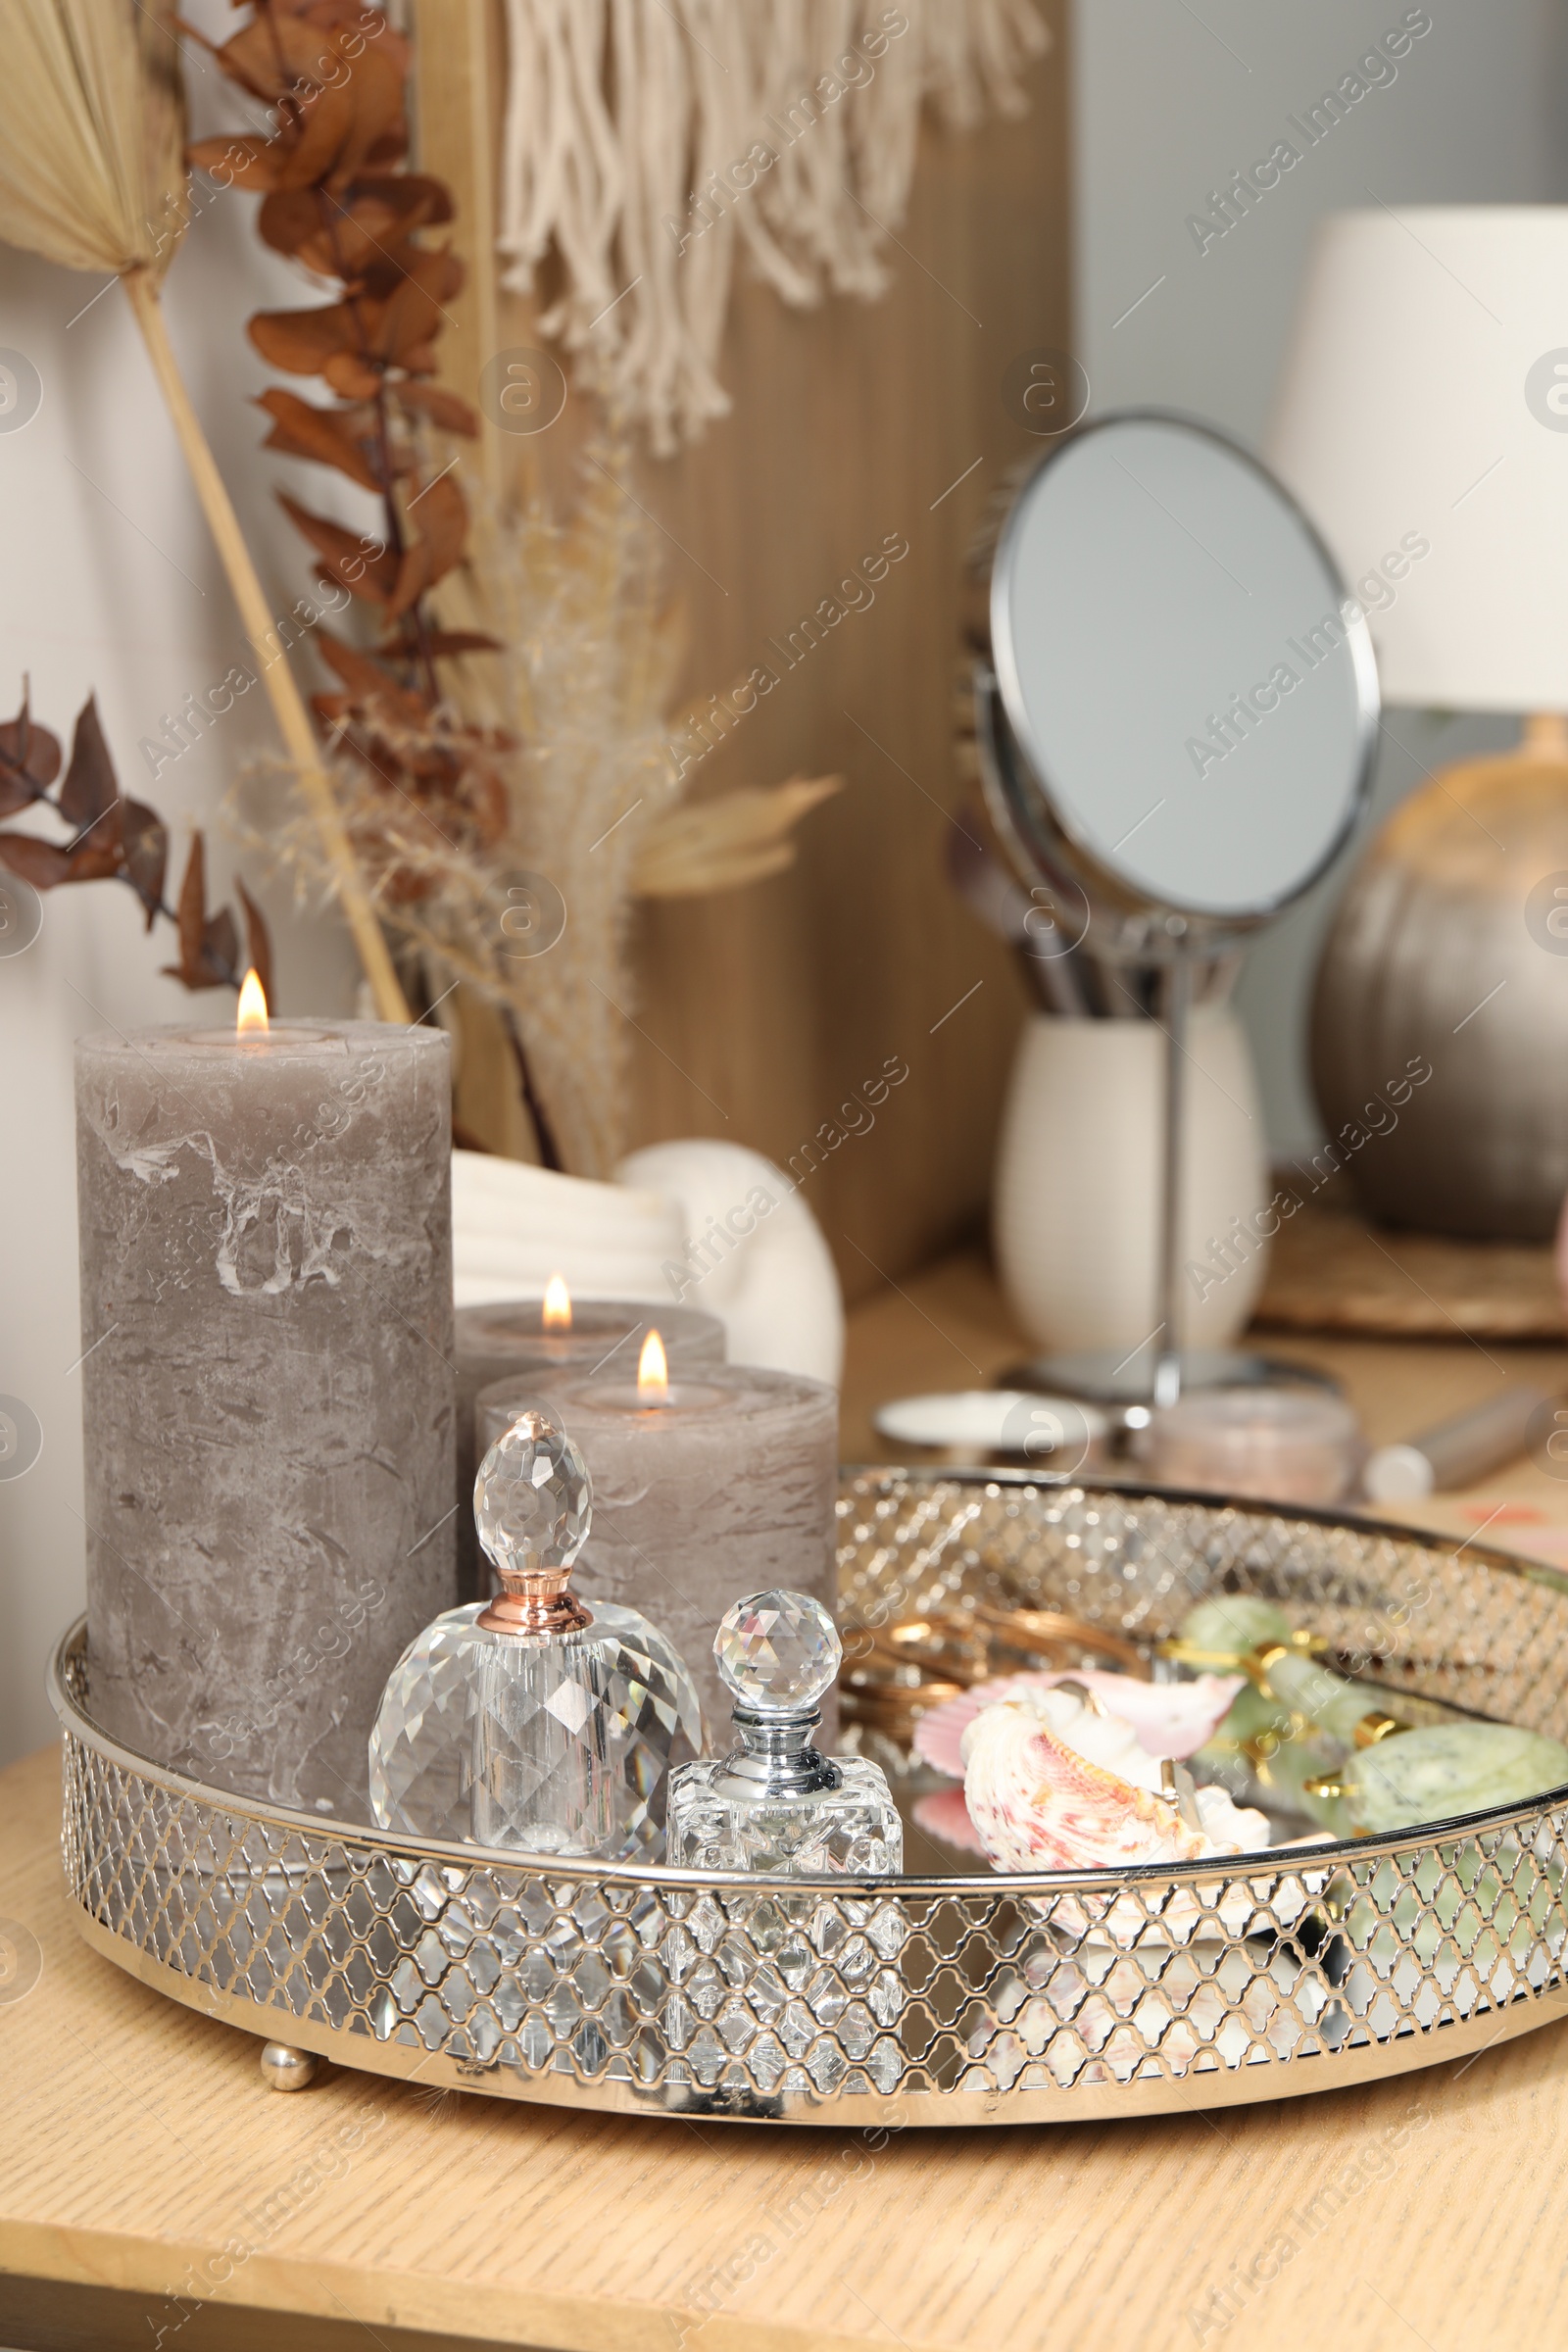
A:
{"points": [[1178, 1790]]}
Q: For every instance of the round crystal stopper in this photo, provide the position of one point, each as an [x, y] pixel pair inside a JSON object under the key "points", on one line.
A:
{"points": [[531, 1500], [778, 1650]]}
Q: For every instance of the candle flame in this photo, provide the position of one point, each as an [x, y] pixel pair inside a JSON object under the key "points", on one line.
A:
{"points": [[653, 1372], [250, 1020], [557, 1304]]}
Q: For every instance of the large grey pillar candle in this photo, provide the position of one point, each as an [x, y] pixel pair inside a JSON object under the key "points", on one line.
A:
{"points": [[526, 1340], [268, 1389], [725, 1487]]}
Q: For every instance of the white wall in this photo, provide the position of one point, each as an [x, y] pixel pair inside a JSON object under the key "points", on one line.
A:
{"points": [[108, 582], [1171, 100]]}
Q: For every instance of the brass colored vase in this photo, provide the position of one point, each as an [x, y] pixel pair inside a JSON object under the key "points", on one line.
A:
{"points": [[1449, 956]]}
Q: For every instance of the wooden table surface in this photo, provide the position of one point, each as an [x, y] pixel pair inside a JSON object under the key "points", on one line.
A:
{"points": [[154, 2193]]}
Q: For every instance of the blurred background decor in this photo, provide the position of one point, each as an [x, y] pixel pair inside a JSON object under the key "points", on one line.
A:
{"points": [[701, 1224], [1078, 1181], [648, 151], [1146, 564], [758, 1013], [1078, 1154], [92, 177], [1332, 1271], [752, 1253], [456, 788], [112, 838], [1421, 413], [542, 923]]}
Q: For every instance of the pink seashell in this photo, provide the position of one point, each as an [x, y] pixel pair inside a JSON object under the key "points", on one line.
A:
{"points": [[945, 1813], [1037, 1805], [1170, 1719]]}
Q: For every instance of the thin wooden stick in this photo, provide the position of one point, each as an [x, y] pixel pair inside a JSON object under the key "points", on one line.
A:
{"points": [[288, 703]]}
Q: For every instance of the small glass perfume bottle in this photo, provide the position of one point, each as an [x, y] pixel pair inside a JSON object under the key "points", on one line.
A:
{"points": [[774, 1803], [530, 1721]]}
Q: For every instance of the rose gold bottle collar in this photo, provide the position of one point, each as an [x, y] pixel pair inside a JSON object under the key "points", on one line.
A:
{"points": [[535, 1603]]}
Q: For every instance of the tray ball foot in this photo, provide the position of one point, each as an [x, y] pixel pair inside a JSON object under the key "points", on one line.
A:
{"points": [[284, 2068]]}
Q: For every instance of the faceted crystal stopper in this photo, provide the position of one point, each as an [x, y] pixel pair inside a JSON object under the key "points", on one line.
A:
{"points": [[777, 1651], [531, 1500]]}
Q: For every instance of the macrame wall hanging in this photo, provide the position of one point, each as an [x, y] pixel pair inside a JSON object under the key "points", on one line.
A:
{"points": [[649, 141]]}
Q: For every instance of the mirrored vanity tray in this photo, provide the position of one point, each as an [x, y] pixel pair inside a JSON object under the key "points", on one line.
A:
{"points": [[951, 1997]]}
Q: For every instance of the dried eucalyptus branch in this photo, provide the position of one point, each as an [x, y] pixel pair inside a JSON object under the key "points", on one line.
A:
{"points": [[115, 839]]}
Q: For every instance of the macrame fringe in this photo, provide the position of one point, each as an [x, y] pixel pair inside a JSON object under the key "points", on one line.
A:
{"points": [[646, 142]]}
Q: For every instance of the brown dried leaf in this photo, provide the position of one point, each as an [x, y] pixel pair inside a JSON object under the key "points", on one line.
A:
{"points": [[444, 409], [289, 219], [91, 786], [276, 54], [208, 947], [302, 342], [401, 327], [449, 644], [343, 230], [258, 940], [190, 915], [248, 163], [413, 578], [390, 151], [416, 198], [300, 431], [343, 556], [352, 375], [29, 753], [440, 515], [364, 677], [339, 100], [37, 861], [98, 854], [220, 964], [371, 687], [323, 132], [145, 838], [378, 94]]}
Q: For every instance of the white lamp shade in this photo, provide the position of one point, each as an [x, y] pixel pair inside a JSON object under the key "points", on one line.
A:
{"points": [[1423, 424]]}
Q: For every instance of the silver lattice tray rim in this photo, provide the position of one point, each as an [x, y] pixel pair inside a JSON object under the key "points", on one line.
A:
{"points": [[945, 1999]]}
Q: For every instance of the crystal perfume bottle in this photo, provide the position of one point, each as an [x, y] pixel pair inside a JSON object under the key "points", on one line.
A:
{"points": [[774, 1803], [531, 1720]]}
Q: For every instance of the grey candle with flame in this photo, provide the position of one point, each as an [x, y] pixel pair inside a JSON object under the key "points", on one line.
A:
{"points": [[714, 1484], [266, 1390], [535, 1343]]}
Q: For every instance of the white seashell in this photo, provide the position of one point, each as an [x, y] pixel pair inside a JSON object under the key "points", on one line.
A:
{"points": [[1055, 1786], [514, 1226], [752, 1253], [703, 1223], [1170, 1719]]}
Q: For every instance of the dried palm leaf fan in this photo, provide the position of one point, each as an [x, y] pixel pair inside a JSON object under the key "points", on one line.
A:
{"points": [[92, 176]]}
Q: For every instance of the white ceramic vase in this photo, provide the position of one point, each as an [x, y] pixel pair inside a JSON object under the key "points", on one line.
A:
{"points": [[1077, 1201]]}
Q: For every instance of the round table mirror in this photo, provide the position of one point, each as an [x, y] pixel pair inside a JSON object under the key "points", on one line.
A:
{"points": [[1176, 721]]}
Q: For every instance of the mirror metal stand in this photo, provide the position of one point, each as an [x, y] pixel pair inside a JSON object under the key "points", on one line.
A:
{"points": [[1177, 995], [1146, 569]]}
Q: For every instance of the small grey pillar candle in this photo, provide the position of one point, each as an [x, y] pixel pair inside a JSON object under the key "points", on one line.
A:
{"points": [[268, 1391], [529, 1341], [725, 1487]]}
